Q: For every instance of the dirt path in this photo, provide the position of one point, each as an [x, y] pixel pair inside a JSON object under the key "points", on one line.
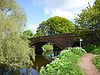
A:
{"points": [[87, 66]]}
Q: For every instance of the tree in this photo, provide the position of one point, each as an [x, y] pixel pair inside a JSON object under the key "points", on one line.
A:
{"points": [[55, 25], [14, 51], [28, 34], [89, 19]]}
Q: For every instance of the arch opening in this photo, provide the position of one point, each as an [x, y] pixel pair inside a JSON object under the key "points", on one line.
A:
{"points": [[39, 47]]}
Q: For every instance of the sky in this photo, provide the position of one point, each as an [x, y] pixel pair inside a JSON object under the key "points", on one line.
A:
{"points": [[41, 10]]}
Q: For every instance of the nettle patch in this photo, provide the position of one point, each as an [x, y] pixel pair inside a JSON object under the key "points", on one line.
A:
{"points": [[66, 63]]}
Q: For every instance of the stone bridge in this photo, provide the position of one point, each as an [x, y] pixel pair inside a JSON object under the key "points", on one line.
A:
{"points": [[60, 41]]}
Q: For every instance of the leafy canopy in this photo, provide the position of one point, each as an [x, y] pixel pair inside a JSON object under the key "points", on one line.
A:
{"points": [[55, 25], [89, 19], [14, 51], [28, 34]]}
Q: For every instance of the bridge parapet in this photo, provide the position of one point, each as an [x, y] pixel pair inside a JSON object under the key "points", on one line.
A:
{"points": [[60, 40]]}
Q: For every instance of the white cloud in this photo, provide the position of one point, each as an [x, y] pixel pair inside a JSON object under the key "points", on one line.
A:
{"points": [[47, 11], [64, 8], [62, 13], [32, 28]]}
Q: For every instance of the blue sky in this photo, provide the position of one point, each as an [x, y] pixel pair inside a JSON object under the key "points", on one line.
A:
{"points": [[40, 10]]}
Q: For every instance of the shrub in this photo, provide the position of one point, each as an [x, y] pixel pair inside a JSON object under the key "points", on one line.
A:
{"points": [[14, 50], [77, 50], [96, 51], [93, 48], [89, 47], [64, 64], [96, 62]]}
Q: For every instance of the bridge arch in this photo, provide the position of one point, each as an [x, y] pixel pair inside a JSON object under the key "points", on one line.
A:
{"points": [[38, 46], [59, 40]]}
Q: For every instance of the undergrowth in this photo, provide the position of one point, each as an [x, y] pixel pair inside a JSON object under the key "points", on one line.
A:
{"points": [[66, 63], [96, 62]]}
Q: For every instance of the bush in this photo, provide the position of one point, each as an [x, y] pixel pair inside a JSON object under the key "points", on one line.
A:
{"points": [[96, 51], [77, 50], [89, 47], [93, 48], [64, 64], [15, 53], [14, 50], [96, 62]]}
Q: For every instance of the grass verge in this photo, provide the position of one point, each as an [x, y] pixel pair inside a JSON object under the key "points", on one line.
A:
{"points": [[96, 62]]}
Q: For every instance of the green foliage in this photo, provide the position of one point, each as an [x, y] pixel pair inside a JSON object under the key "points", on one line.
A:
{"points": [[55, 25], [77, 50], [14, 51], [13, 13], [28, 34], [32, 54], [96, 62], [66, 63], [96, 51], [47, 47], [47, 53], [89, 19], [89, 47], [93, 48], [79, 31]]}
